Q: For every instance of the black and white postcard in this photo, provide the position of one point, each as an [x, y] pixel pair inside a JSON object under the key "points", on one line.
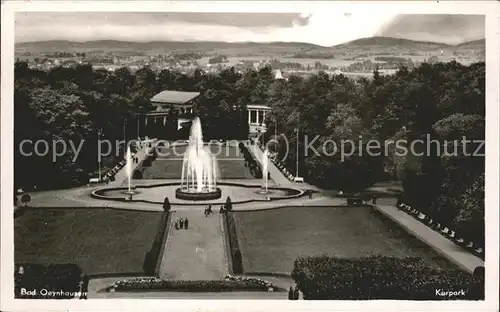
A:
{"points": [[249, 155]]}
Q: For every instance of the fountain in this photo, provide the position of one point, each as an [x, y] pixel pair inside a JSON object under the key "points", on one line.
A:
{"points": [[199, 169], [128, 169], [265, 172]]}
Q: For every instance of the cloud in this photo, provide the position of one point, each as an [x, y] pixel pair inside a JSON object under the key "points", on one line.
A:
{"points": [[323, 28], [451, 29], [245, 20]]}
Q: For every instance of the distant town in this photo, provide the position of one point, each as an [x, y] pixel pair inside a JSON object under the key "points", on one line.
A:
{"points": [[358, 61]]}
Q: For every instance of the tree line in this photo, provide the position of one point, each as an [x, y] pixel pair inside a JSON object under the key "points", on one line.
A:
{"points": [[82, 105], [437, 103]]}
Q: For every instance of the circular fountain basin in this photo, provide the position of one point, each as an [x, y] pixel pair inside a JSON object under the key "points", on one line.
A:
{"points": [[133, 191], [263, 191], [239, 193], [186, 194]]}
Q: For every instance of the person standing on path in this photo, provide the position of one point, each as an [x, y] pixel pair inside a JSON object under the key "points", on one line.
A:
{"points": [[85, 287], [290, 293], [186, 223], [181, 223], [296, 293], [177, 224]]}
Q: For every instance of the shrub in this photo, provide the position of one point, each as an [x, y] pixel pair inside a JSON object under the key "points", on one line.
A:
{"points": [[370, 278], [64, 276], [166, 204], [229, 205], [137, 175], [26, 198], [147, 161]]}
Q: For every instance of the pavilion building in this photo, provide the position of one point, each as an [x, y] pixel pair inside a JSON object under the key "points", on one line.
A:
{"points": [[163, 103]]}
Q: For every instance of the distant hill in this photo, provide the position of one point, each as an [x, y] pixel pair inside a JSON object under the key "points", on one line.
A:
{"points": [[475, 44], [164, 46], [350, 50], [390, 42]]}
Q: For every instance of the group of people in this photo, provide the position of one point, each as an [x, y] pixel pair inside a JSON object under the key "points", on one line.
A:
{"points": [[293, 293], [181, 223], [208, 211]]}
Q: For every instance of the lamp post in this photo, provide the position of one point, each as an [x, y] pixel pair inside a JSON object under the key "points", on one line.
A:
{"points": [[138, 134], [275, 129], [99, 156], [297, 160], [125, 134]]}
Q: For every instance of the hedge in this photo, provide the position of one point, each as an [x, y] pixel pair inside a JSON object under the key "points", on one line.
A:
{"points": [[54, 277], [234, 247], [376, 277], [137, 175], [253, 165], [152, 257], [142, 284]]}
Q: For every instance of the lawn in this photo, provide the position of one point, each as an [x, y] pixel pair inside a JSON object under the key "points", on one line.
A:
{"points": [[168, 165], [271, 240], [98, 240]]}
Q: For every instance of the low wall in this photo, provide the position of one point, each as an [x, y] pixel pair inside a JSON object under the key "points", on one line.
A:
{"points": [[99, 194]]}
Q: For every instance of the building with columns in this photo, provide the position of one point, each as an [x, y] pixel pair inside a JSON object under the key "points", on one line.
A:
{"points": [[183, 102], [167, 100], [257, 118]]}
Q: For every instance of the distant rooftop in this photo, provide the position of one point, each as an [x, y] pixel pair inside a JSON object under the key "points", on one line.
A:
{"points": [[174, 97]]}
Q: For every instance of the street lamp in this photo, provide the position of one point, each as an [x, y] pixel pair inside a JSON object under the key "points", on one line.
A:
{"points": [[138, 134], [297, 160], [99, 132], [125, 133]]}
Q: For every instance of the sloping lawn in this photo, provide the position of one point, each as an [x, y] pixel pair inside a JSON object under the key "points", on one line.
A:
{"points": [[99, 240], [271, 240], [168, 165]]}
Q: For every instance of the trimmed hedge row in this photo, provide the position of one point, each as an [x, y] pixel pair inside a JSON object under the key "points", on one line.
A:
{"points": [[142, 284], [253, 165], [54, 277], [150, 158], [444, 230], [234, 246], [329, 278], [152, 256]]}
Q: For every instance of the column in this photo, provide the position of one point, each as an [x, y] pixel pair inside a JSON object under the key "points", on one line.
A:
{"points": [[164, 120], [258, 113], [145, 121], [263, 116], [249, 117]]}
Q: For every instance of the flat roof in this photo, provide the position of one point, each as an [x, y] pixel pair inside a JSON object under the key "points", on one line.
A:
{"points": [[257, 106], [174, 97]]}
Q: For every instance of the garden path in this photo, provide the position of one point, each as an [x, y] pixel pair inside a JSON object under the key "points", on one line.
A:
{"points": [[196, 253], [442, 245]]}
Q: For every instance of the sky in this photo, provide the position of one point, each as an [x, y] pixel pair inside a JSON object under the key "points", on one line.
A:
{"points": [[321, 28]]}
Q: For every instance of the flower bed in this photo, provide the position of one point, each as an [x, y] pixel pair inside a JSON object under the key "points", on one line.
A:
{"points": [[369, 278], [230, 283]]}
